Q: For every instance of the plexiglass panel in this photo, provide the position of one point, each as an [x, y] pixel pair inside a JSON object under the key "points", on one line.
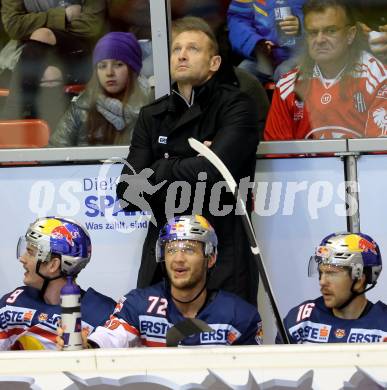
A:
{"points": [[74, 73]]}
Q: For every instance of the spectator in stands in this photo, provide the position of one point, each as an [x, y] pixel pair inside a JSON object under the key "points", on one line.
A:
{"points": [[346, 264], [51, 250], [57, 38], [105, 113], [250, 85], [206, 106], [212, 11], [187, 250], [241, 78], [134, 16], [131, 16], [339, 91], [268, 51]]}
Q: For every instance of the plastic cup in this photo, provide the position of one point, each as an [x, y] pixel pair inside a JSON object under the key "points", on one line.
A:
{"points": [[371, 36]]}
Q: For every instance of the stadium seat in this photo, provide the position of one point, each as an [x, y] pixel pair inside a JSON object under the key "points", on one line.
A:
{"points": [[73, 89], [24, 133], [4, 91]]}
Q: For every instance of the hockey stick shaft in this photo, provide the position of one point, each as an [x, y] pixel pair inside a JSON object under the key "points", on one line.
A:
{"points": [[219, 165]]}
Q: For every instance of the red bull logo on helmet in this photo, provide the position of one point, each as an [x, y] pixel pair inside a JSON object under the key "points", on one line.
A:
{"points": [[357, 243], [367, 245], [56, 229], [323, 251], [61, 232], [178, 227]]}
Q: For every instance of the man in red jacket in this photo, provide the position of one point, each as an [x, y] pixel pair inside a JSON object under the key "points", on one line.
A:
{"points": [[338, 91]]}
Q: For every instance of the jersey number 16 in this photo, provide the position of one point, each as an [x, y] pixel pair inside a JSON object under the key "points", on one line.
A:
{"points": [[304, 311]]}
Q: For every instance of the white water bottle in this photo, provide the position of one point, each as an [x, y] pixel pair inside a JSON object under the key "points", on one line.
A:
{"points": [[70, 301], [281, 11]]}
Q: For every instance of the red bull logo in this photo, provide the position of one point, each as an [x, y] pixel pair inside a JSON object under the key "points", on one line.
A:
{"points": [[366, 246], [62, 232], [323, 251], [178, 227]]}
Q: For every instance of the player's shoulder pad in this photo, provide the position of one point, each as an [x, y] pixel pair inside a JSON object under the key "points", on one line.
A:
{"points": [[157, 289], [16, 292], [234, 302], [95, 297], [381, 306], [295, 309], [140, 297]]}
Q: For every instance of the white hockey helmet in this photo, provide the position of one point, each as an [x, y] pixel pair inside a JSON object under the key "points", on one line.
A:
{"points": [[58, 236], [187, 227], [357, 251]]}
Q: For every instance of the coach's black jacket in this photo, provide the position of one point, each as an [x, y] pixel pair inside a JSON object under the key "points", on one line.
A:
{"points": [[220, 113]]}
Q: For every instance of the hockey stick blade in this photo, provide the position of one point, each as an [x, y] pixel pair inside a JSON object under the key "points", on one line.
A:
{"points": [[231, 183]]}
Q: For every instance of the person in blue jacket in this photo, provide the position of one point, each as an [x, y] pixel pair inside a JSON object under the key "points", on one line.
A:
{"points": [[269, 50], [348, 265]]}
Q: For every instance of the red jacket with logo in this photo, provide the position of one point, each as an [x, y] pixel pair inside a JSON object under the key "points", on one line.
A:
{"points": [[351, 107]]}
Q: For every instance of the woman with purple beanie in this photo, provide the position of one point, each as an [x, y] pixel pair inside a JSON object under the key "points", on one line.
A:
{"points": [[105, 113]]}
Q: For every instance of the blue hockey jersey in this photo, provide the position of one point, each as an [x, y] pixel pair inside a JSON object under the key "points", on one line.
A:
{"points": [[27, 322], [313, 322], [143, 317]]}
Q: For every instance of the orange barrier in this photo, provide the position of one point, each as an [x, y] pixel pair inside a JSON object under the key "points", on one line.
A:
{"points": [[4, 91], [74, 89], [24, 133]]}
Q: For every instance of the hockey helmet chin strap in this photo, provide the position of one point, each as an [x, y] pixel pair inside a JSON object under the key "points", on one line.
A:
{"points": [[354, 294], [46, 279]]}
